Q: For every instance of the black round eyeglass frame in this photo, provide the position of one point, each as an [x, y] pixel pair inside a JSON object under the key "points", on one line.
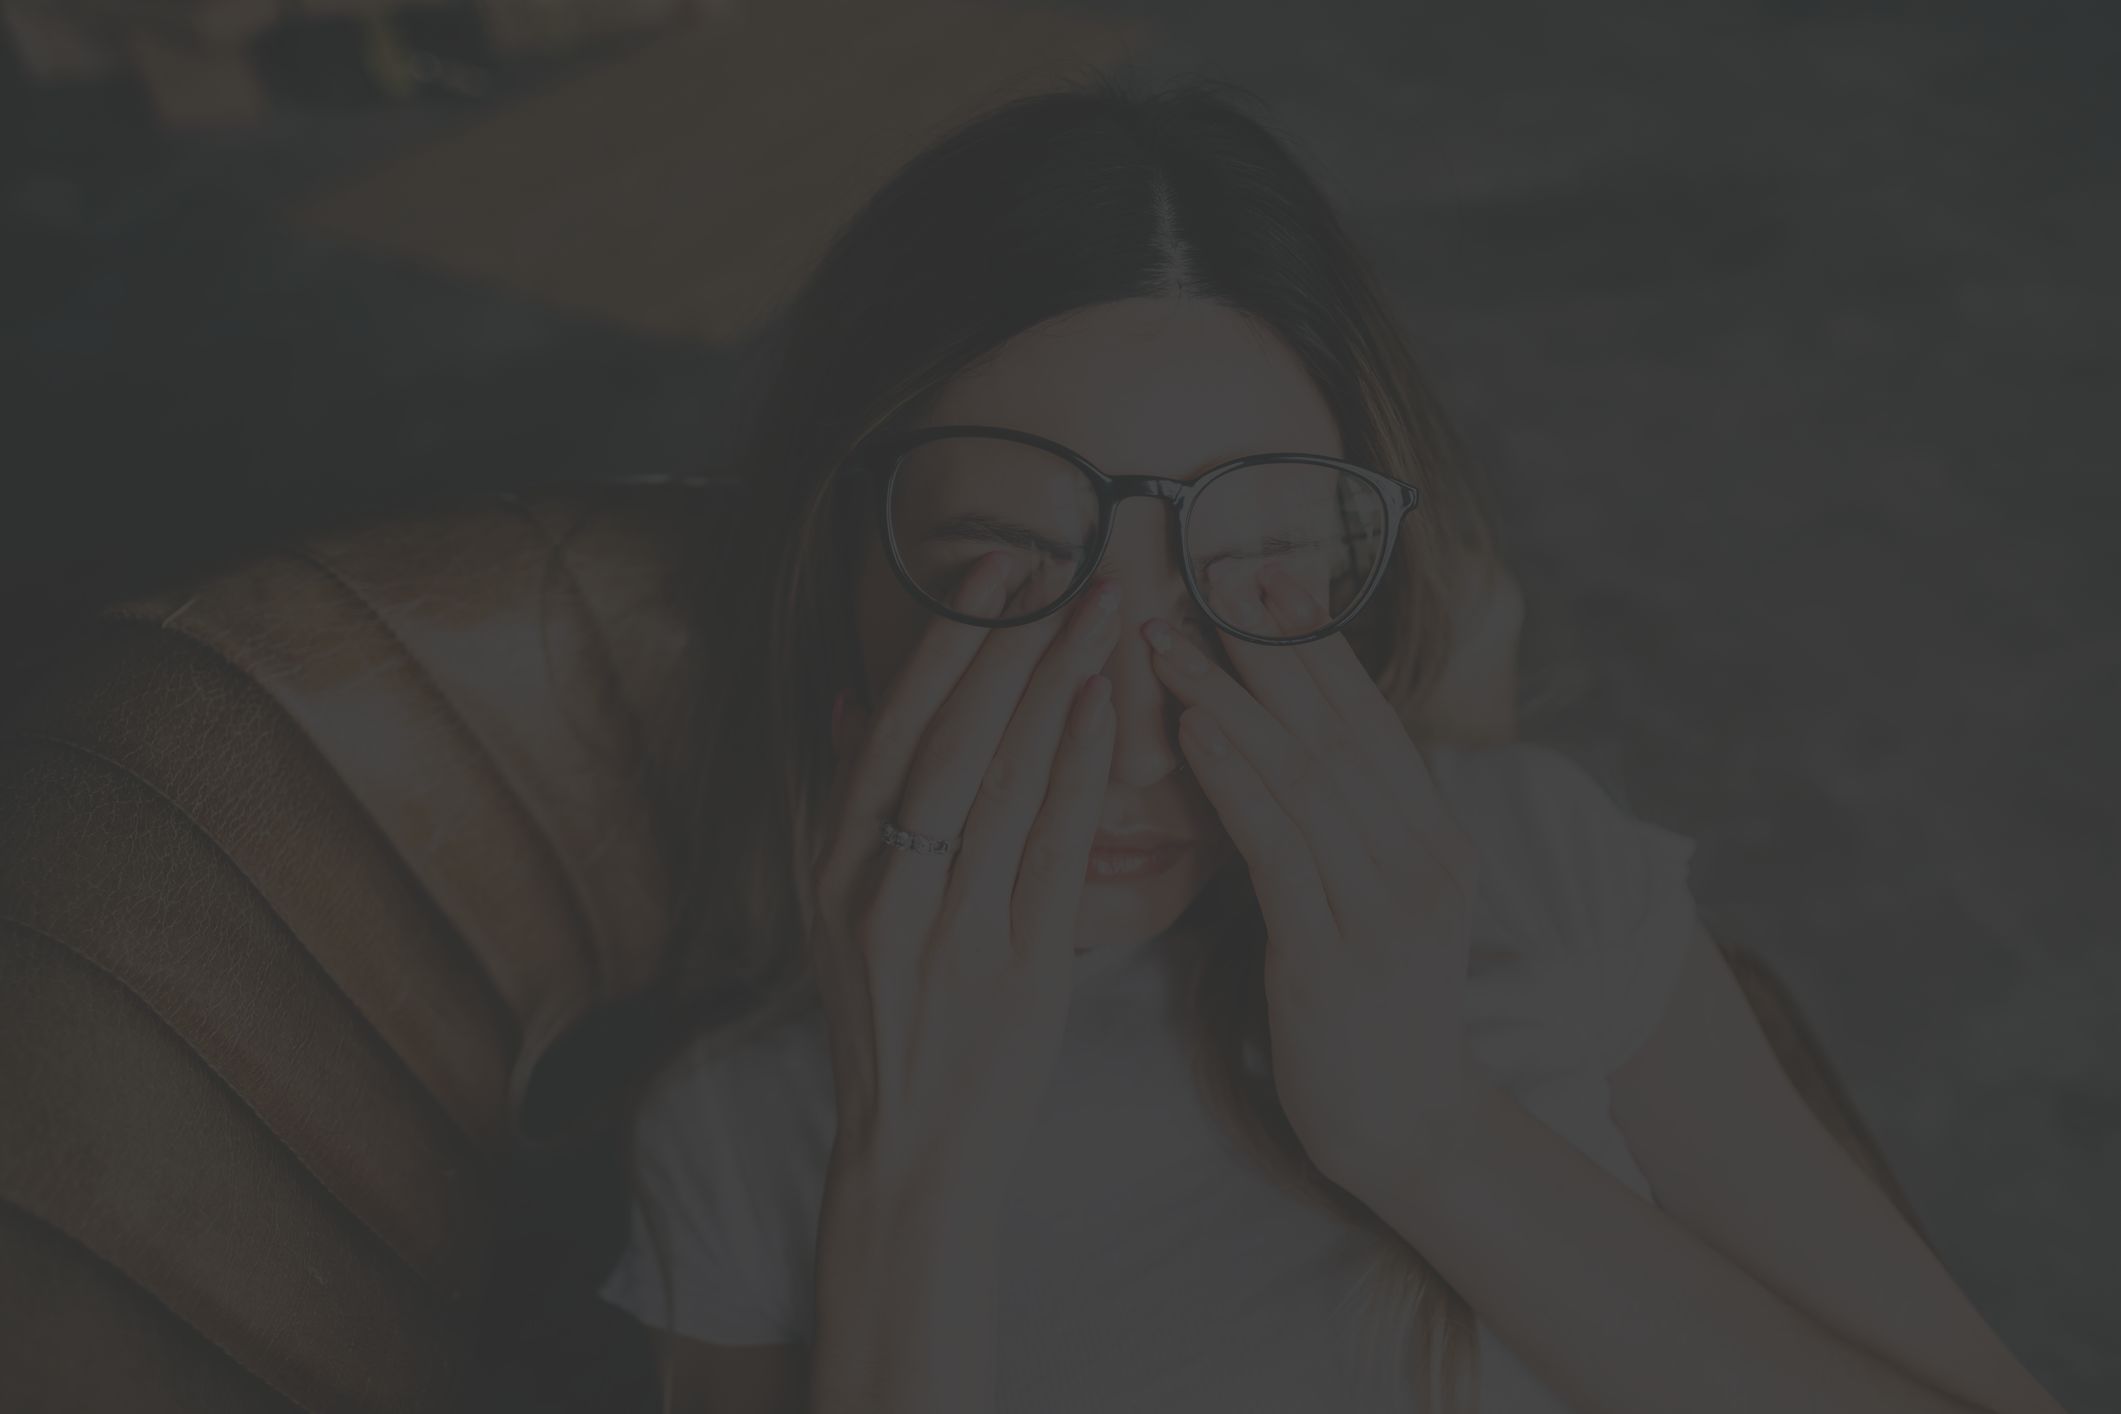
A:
{"points": [[879, 457]]}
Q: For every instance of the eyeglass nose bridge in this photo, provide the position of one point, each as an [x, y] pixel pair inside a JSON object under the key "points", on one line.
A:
{"points": [[1170, 490], [1162, 488]]}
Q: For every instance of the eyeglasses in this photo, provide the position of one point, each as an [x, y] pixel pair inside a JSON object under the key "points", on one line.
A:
{"points": [[950, 495]]}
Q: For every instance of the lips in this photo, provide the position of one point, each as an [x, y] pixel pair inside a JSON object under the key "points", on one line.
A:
{"points": [[1116, 858], [1142, 840]]}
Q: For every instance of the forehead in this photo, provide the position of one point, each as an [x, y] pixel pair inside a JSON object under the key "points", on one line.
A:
{"points": [[1149, 387]]}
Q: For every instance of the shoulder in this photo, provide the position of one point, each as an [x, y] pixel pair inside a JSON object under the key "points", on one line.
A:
{"points": [[1586, 912], [1511, 785], [1548, 830], [734, 1133], [745, 1105], [729, 1146]]}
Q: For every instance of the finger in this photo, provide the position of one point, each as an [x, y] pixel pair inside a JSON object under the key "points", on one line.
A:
{"points": [[1279, 677], [1021, 772], [954, 752], [1293, 776], [1337, 674], [1292, 898], [876, 776], [958, 750], [1048, 882], [1366, 720]]}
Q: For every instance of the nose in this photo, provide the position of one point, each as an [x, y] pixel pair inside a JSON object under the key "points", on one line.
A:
{"points": [[1145, 744]]}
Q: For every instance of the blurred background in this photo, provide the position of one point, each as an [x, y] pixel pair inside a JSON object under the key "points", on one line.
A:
{"points": [[1786, 331]]}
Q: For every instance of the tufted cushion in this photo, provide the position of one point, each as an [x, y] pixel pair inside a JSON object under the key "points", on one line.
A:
{"points": [[303, 865]]}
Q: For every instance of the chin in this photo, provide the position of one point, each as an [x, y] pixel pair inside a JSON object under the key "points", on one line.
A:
{"points": [[1124, 912]]}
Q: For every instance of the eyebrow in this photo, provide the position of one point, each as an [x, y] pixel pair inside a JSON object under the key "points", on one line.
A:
{"points": [[999, 531]]}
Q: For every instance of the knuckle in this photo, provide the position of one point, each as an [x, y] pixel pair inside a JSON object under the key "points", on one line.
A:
{"points": [[891, 734], [968, 914], [866, 935], [1308, 778], [1001, 780], [1271, 830], [1338, 757], [1041, 859], [1255, 817], [828, 871], [920, 756], [949, 922], [871, 922], [833, 911]]}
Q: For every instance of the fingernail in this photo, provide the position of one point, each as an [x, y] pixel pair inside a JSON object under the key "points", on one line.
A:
{"points": [[1159, 635], [1104, 598]]}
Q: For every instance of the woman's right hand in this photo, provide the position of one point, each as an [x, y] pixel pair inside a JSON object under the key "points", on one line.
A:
{"points": [[945, 978]]}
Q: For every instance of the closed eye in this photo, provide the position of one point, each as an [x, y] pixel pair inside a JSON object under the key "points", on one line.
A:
{"points": [[993, 530], [1265, 549]]}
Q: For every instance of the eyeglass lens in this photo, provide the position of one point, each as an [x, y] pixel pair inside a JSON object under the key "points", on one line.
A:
{"points": [[955, 499]]}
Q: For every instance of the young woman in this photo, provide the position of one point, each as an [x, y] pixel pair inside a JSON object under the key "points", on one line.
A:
{"points": [[1172, 991]]}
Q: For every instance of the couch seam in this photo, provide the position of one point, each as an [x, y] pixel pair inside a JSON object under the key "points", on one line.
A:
{"points": [[439, 1309], [504, 1007], [419, 1086], [76, 1240], [585, 944]]}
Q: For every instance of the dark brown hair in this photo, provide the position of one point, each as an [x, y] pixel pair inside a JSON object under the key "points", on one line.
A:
{"points": [[1047, 204]]}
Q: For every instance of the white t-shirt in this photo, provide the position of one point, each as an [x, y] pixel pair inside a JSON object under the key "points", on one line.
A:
{"points": [[1147, 1263]]}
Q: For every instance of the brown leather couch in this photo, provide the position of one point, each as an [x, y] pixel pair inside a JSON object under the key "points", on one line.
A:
{"points": [[304, 866]]}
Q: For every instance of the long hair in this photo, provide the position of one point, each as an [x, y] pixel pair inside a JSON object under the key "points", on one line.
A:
{"points": [[1041, 206]]}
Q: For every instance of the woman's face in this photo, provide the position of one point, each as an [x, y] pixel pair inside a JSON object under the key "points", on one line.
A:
{"points": [[1149, 387]]}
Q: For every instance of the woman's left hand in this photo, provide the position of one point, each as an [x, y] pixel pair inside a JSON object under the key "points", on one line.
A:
{"points": [[1365, 882]]}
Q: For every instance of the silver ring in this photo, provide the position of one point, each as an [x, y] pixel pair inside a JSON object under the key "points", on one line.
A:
{"points": [[913, 841]]}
